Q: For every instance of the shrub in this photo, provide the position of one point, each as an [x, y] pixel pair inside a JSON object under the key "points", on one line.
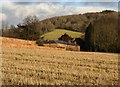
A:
{"points": [[39, 42]]}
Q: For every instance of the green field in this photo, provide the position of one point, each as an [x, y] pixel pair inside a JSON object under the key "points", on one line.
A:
{"points": [[54, 35]]}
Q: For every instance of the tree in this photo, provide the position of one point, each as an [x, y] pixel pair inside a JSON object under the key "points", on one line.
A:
{"points": [[102, 34], [29, 28], [5, 25], [12, 27], [5, 29], [88, 37]]}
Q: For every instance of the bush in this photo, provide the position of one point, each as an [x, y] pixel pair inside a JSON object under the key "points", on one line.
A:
{"points": [[40, 42]]}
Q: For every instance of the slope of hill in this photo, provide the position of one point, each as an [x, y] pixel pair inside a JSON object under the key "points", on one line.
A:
{"points": [[21, 65], [78, 23], [55, 34]]}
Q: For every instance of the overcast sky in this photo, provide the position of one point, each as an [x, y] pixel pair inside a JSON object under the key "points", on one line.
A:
{"points": [[14, 11]]}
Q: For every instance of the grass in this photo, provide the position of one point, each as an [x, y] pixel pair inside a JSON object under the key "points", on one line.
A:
{"points": [[54, 35], [46, 66]]}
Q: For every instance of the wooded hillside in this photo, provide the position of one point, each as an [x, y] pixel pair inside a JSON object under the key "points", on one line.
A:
{"points": [[32, 28], [101, 29]]}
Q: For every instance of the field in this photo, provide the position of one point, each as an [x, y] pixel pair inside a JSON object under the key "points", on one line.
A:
{"points": [[25, 63], [54, 35]]}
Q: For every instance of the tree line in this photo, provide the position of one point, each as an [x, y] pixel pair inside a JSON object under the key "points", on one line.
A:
{"points": [[102, 35], [31, 27], [101, 29]]}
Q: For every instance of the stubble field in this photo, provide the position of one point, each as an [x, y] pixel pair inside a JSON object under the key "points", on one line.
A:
{"points": [[33, 65]]}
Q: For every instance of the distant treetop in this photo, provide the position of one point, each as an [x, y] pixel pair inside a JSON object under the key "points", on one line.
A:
{"points": [[107, 11]]}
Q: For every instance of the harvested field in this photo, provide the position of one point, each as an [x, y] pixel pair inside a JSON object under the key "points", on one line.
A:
{"points": [[49, 66]]}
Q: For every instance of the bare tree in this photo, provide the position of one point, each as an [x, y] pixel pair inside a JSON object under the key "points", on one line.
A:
{"points": [[5, 25], [29, 27]]}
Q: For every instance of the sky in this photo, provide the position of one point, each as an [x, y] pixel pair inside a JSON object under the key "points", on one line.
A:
{"points": [[14, 11]]}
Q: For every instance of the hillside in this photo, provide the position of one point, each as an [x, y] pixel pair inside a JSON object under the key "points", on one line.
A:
{"points": [[102, 34], [78, 23], [55, 34], [49, 66]]}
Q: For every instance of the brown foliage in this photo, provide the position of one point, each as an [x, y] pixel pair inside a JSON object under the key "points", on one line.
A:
{"points": [[102, 34]]}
